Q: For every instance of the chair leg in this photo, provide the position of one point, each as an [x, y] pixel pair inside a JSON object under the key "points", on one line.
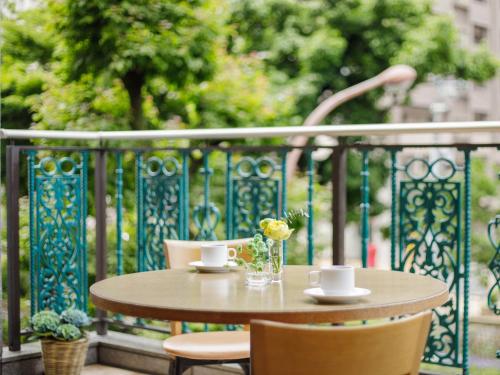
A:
{"points": [[176, 368], [171, 369], [181, 364], [245, 367]]}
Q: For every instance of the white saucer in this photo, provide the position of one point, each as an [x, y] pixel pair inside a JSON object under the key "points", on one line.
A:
{"points": [[213, 269], [338, 297]]}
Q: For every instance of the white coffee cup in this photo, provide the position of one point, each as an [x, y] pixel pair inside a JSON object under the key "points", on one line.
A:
{"points": [[217, 255], [333, 279]]}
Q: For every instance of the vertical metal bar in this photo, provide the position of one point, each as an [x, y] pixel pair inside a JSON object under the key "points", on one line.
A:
{"points": [[138, 192], [119, 212], [139, 180], [100, 216], [467, 255], [458, 276], [33, 244], [365, 208], [206, 194], [13, 282], [229, 195], [185, 184], [284, 197], [83, 230], [310, 210], [393, 209], [339, 202]]}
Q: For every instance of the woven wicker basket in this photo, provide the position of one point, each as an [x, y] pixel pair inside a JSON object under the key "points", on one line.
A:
{"points": [[64, 357]]}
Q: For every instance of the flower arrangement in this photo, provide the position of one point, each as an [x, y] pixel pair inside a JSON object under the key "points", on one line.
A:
{"points": [[270, 251], [63, 339], [69, 326], [257, 250]]}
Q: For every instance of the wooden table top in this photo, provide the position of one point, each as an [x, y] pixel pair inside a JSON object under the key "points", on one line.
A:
{"points": [[186, 295]]}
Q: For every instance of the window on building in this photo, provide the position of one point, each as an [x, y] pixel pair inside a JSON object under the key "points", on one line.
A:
{"points": [[480, 34], [480, 116], [461, 15]]}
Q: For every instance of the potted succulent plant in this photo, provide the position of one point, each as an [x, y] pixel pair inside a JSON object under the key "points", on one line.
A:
{"points": [[64, 341]]}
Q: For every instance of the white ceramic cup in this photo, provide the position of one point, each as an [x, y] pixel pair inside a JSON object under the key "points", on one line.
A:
{"points": [[217, 255], [333, 279]]}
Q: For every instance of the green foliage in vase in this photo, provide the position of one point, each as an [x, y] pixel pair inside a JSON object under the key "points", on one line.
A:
{"points": [[257, 250], [293, 217]]}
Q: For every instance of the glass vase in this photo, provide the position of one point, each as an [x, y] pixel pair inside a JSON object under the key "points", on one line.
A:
{"points": [[257, 276], [276, 260]]}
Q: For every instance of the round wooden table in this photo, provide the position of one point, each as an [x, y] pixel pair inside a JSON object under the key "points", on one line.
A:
{"points": [[223, 298]]}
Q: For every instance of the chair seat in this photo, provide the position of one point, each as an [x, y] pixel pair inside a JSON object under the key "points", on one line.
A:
{"points": [[224, 345]]}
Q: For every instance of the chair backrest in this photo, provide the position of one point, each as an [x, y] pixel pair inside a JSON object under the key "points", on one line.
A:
{"points": [[178, 253], [393, 348]]}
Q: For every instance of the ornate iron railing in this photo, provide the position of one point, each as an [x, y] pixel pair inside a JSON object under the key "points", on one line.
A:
{"points": [[430, 229], [494, 266]]}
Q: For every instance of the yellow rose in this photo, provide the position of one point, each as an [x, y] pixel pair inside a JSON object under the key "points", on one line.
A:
{"points": [[277, 230], [263, 223]]}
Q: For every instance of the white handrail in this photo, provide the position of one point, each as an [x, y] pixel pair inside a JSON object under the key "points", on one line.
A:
{"points": [[260, 132]]}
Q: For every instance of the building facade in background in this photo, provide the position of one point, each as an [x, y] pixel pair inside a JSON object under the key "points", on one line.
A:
{"points": [[478, 22]]}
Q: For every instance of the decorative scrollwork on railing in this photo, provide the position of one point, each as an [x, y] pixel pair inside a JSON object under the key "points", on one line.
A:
{"points": [[254, 192], [430, 244], [206, 215], [494, 266], [58, 211], [161, 189]]}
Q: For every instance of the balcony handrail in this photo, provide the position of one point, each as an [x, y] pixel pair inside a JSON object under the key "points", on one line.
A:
{"points": [[259, 132]]}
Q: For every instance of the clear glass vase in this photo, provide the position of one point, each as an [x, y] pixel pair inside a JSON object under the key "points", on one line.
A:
{"points": [[276, 260], [257, 276]]}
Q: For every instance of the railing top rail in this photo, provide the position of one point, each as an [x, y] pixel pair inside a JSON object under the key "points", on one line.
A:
{"points": [[259, 132]]}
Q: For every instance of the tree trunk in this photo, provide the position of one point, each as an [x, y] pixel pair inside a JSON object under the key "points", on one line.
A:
{"points": [[133, 82]]}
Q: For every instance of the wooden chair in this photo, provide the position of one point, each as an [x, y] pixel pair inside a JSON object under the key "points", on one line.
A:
{"points": [[202, 348], [393, 348]]}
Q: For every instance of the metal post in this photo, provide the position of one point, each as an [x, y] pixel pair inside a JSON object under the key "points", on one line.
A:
{"points": [[13, 282], [393, 208], [284, 194], [185, 195], [339, 202], [467, 260], [119, 213], [310, 208], [100, 216], [365, 209], [229, 195]]}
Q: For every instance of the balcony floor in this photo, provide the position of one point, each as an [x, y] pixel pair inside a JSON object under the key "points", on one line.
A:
{"points": [[107, 370]]}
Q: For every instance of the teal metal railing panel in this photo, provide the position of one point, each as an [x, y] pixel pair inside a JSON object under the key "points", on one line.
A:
{"points": [[494, 266], [160, 188], [254, 193], [430, 199], [57, 189], [206, 215]]}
